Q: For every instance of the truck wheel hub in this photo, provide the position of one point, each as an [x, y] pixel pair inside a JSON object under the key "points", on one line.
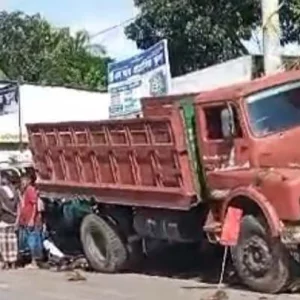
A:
{"points": [[256, 256]]}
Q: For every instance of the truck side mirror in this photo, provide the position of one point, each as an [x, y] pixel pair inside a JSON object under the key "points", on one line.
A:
{"points": [[228, 125]]}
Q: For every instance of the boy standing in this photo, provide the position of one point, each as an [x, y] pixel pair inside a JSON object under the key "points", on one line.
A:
{"points": [[29, 221]]}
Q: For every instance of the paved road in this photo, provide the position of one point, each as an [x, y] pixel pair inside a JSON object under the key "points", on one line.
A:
{"points": [[175, 275], [47, 285]]}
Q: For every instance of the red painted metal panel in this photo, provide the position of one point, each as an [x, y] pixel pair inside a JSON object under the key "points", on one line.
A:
{"points": [[162, 106], [130, 162]]}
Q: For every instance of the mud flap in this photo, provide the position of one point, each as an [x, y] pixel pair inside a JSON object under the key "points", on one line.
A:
{"points": [[231, 227]]}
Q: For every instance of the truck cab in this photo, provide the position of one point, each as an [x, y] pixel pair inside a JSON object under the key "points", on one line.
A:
{"points": [[248, 139]]}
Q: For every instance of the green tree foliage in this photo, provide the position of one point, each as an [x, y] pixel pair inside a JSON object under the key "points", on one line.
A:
{"points": [[32, 49], [205, 32], [200, 32], [290, 21]]}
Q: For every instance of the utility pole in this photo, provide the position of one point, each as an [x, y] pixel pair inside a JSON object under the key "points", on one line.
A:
{"points": [[271, 36]]}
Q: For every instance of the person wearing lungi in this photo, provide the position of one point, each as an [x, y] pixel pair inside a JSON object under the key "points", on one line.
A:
{"points": [[8, 215], [29, 222]]}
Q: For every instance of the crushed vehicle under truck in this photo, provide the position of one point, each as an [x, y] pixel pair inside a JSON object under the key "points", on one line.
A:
{"points": [[172, 176]]}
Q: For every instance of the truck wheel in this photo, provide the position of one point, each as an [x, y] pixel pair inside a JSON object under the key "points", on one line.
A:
{"points": [[103, 248], [261, 262]]}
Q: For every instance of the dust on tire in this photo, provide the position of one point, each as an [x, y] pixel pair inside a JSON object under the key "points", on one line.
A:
{"points": [[103, 247]]}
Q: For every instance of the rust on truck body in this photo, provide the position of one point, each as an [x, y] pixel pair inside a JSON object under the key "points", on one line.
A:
{"points": [[138, 162], [269, 163]]}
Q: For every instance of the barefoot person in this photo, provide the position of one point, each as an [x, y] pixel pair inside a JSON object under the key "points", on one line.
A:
{"points": [[8, 215], [29, 222]]}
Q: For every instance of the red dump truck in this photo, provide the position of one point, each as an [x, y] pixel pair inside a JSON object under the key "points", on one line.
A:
{"points": [[173, 175]]}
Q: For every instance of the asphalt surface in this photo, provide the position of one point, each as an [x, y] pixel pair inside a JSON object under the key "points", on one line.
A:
{"points": [[174, 275], [48, 285]]}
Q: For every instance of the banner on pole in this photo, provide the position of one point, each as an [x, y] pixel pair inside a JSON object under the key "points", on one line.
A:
{"points": [[144, 75], [9, 97], [9, 109]]}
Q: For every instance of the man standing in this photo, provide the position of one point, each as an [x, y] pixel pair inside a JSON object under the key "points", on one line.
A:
{"points": [[29, 221], [8, 214]]}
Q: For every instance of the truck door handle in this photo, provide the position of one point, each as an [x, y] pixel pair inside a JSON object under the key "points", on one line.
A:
{"points": [[244, 148], [266, 154]]}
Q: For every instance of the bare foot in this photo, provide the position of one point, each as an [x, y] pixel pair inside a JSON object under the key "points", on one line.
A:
{"points": [[13, 266], [32, 266]]}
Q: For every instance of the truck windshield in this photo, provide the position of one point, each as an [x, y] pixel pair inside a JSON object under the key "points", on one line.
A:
{"points": [[275, 109]]}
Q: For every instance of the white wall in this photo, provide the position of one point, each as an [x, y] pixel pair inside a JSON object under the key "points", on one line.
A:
{"points": [[53, 104], [231, 72]]}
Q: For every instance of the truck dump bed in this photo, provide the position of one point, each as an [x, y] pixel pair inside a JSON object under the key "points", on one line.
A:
{"points": [[137, 162]]}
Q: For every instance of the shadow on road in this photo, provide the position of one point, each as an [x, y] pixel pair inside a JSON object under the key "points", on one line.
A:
{"points": [[188, 262]]}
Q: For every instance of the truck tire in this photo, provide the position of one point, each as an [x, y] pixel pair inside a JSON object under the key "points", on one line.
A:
{"points": [[261, 262], [103, 247]]}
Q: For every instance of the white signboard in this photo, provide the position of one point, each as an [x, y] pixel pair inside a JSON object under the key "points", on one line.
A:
{"points": [[144, 75], [9, 106]]}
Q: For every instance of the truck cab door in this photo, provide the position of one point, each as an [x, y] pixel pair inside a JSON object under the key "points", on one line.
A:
{"points": [[221, 136]]}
